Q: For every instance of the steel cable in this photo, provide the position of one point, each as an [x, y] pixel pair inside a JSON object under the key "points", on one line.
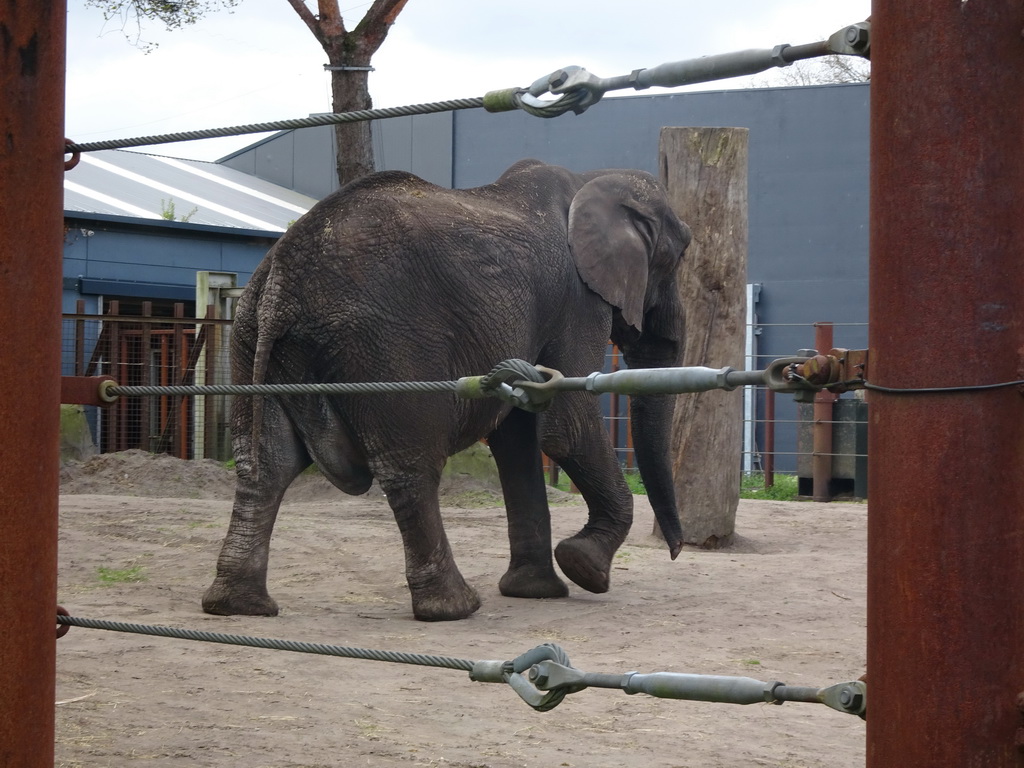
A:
{"points": [[280, 125], [341, 388], [369, 654]]}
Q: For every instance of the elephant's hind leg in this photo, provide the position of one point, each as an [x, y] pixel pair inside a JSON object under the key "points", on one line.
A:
{"points": [[531, 571], [439, 593], [240, 586]]}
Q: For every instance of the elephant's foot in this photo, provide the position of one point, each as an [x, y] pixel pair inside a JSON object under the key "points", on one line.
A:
{"points": [[226, 599], [585, 561], [533, 581], [450, 600]]}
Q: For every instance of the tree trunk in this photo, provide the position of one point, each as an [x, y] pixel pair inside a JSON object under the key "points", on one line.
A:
{"points": [[705, 172], [348, 57], [353, 141]]}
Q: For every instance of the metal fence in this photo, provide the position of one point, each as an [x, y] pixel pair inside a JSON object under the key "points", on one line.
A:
{"points": [[159, 346], [150, 349]]}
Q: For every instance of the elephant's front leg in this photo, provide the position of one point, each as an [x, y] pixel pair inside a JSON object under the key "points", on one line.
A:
{"points": [[531, 571], [439, 593], [574, 436]]}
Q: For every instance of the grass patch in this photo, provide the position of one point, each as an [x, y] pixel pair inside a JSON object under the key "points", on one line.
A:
{"points": [[752, 486], [130, 575], [784, 488], [474, 499], [635, 483], [632, 477]]}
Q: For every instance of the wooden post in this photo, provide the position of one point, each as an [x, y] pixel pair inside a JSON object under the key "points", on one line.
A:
{"points": [[208, 439], [705, 172]]}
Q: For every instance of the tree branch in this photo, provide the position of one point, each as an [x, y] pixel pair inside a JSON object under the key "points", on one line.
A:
{"points": [[331, 24], [307, 17], [373, 28]]}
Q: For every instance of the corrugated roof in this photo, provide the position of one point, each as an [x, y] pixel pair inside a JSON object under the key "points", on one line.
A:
{"points": [[121, 183]]}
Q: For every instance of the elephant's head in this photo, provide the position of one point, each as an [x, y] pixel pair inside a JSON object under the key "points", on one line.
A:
{"points": [[628, 244]]}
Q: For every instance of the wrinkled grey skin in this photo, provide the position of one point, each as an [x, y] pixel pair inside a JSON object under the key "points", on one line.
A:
{"points": [[394, 279]]}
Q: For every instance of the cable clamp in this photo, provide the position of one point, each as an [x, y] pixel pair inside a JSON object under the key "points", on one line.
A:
{"points": [[513, 381]]}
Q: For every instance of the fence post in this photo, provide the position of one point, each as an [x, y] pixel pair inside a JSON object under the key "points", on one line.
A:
{"points": [[32, 65], [117, 413], [80, 338], [769, 438], [208, 440], [821, 462], [146, 377], [945, 646], [705, 172], [180, 404]]}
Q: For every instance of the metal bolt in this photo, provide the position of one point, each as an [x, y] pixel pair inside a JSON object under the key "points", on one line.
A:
{"points": [[536, 677], [558, 79], [851, 698], [856, 37]]}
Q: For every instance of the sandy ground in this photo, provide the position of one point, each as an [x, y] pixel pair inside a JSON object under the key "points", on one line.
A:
{"points": [[787, 603]]}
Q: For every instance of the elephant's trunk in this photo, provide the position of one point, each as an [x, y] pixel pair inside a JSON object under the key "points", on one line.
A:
{"points": [[652, 436]]}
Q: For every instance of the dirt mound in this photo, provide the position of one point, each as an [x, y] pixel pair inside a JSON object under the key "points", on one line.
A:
{"points": [[160, 476], [157, 475], [138, 473]]}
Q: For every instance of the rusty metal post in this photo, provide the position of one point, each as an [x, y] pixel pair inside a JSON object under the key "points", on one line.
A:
{"points": [[821, 461], [946, 522], [146, 376], [769, 438], [31, 181]]}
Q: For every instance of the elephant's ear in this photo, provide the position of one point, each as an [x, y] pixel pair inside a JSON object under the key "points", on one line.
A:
{"points": [[611, 243]]}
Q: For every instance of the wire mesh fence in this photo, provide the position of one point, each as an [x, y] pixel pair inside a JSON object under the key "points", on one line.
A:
{"points": [[150, 347]]}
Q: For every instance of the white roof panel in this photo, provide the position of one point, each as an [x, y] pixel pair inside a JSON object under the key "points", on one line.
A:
{"points": [[124, 183]]}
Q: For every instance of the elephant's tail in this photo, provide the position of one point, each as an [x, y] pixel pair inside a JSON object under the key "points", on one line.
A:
{"points": [[273, 319]]}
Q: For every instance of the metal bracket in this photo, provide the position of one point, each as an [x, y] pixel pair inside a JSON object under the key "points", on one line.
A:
{"points": [[87, 390], [851, 698], [854, 40], [543, 677], [841, 370], [578, 89]]}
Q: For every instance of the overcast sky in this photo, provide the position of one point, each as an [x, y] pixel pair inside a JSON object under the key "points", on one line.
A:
{"points": [[260, 62]]}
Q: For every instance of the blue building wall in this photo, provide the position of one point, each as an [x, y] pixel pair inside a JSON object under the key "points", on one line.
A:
{"points": [[125, 256]]}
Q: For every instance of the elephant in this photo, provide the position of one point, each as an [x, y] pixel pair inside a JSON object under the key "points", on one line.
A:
{"points": [[394, 279]]}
